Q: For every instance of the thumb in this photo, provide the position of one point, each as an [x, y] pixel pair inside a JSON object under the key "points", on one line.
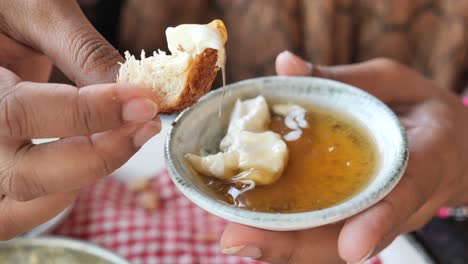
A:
{"points": [[289, 64], [317, 244], [62, 32], [379, 77]]}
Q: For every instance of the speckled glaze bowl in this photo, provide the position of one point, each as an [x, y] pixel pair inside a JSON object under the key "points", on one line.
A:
{"points": [[199, 128]]}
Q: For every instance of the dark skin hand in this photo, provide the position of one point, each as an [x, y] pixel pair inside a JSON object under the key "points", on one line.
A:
{"points": [[100, 124], [436, 123]]}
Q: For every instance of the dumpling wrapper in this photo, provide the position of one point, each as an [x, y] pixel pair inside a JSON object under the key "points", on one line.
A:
{"points": [[250, 115], [259, 157]]}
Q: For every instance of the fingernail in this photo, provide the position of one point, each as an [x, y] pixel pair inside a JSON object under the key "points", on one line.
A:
{"points": [[364, 259], [139, 110], [296, 65], [243, 251], [145, 133]]}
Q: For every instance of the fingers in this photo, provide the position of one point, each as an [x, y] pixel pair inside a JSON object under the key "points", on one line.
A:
{"points": [[379, 77], [61, 31], [289, 64], [37, 110], [72, 163], [11, 51], [16, 217], [33, 69], [307, 246], [365, 233]]}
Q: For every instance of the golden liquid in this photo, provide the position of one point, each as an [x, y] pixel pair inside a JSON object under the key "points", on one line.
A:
{"points": [[332, 161]]}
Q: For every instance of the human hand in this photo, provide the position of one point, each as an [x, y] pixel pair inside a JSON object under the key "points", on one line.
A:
{"points": [[436, 123], [100, 125]]}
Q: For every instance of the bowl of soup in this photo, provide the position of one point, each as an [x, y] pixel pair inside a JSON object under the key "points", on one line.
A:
{"points": [[286, 153]]}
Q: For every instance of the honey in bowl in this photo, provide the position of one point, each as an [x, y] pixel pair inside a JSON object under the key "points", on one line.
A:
{"points": [[284, 158], [331, 161]]}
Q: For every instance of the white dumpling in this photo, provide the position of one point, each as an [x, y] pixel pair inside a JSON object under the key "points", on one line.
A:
{"points": [[263, 154], [250, 115], [220, 165], [250, 152], [294, 118], [286, 109]]}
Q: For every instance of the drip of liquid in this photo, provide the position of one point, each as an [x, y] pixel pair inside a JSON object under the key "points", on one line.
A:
{"points": [[241, 186], [223, 73]]}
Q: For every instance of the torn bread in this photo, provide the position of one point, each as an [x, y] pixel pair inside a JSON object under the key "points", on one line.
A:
{"points": [[180, 79]]}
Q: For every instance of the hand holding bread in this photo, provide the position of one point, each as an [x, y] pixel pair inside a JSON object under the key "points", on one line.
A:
{"points": [[180, 79], [100, 124]]}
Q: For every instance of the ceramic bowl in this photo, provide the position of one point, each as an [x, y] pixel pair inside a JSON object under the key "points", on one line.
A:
{"points": [[55, 249], [200, 128]]}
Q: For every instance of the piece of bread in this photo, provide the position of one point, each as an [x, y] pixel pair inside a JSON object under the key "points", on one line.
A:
{"points": [[180, 79]]}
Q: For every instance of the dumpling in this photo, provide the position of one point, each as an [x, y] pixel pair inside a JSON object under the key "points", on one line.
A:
{"points": [[250, 115]]}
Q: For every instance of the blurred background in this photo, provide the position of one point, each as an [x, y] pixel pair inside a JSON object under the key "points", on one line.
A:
{"points": [[430, 36]]}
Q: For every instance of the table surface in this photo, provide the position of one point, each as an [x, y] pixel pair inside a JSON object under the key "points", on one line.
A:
{"points": [[150, 159]]}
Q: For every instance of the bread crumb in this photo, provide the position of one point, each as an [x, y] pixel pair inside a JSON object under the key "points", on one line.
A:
{"points": [[138, 184], [149, 200]]}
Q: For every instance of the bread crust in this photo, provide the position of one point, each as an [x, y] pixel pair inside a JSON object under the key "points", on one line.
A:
{"points": [[201, 75]]}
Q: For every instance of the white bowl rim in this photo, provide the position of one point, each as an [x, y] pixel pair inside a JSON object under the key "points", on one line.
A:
{"points": [[57, 241], [289, 221]]}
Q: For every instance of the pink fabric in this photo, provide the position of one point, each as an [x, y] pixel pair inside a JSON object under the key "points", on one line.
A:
{"points": [[465, 101], [443, 213], [108, 214]]}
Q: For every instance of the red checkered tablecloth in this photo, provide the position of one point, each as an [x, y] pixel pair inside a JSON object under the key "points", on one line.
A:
{"points": [[109, 214]]}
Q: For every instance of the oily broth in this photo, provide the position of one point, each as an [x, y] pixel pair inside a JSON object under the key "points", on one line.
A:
{"points": [[333, 160]]}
